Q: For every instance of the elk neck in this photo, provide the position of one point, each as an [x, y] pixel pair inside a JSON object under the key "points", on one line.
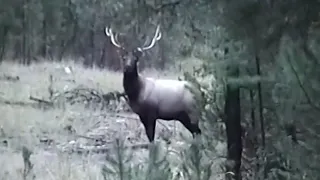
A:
{"points": [[132, 84]]}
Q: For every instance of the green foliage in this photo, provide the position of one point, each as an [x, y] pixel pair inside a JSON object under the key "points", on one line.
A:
{"points": [[120, 164], [158, 166], [196, 164], [117, 162], [289, 64], [295, 106]]}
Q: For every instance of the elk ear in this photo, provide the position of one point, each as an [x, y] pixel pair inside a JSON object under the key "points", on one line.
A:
{"points": [[138, 52]]}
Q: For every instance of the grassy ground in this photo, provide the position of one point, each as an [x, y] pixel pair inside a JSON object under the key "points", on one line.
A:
{"points": [[46, 133]]}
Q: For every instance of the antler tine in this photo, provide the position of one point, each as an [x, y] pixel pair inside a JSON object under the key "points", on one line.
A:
{"points": [[159, 36], [108, 32], [156, 38], [116, 38]]}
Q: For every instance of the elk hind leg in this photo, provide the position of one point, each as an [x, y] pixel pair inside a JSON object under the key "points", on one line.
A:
{"points": [[192, 127]]}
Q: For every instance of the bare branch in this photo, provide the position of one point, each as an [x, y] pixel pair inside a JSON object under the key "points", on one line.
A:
{"points": [[302, 88]]}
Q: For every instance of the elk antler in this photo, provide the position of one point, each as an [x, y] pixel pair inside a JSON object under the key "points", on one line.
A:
{"points": [[155, 38], [108, 32]]}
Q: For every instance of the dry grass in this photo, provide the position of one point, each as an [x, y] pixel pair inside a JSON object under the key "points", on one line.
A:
{"points": [[25, 126]]}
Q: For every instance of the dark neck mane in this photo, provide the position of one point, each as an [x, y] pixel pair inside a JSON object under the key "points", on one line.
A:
{"points": [[132, 85]]}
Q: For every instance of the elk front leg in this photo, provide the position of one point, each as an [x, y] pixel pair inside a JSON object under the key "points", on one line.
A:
{"points": [[149, 123]]}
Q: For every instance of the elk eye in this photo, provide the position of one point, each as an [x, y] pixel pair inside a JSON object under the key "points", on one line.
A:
{"points": [[137, 53]]}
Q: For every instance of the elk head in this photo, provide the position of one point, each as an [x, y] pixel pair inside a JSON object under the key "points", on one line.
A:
{"points": [[131, 57]]}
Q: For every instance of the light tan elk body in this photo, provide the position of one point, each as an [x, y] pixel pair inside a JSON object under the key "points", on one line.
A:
{"points": [[153, 99]]}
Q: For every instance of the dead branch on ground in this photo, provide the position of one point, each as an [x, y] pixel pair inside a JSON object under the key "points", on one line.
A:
{"points": [[91, 96], [111, 100], [9, 78], [101, 149], [41, 101], [23, 104]]}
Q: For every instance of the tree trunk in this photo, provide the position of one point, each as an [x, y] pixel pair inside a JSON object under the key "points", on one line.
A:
{"points": [[24, 28], [3, 42], [44, 38], [263, 141], [233, 128]]}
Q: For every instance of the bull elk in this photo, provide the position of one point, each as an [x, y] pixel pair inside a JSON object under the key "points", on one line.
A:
{"points": [[153, 99]]}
